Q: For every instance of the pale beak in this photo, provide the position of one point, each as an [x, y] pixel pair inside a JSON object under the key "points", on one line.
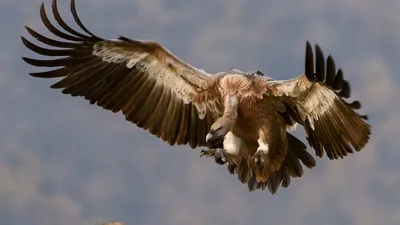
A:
{"points": [[209, 137]]}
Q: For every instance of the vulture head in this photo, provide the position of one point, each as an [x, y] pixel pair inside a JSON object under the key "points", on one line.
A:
{"points": [[220, 128]]}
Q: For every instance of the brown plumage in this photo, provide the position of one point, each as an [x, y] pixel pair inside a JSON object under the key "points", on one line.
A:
{"points": [[243, 118]]}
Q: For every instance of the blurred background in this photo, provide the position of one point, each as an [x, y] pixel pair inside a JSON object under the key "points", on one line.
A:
{"points": [[66, 162]]}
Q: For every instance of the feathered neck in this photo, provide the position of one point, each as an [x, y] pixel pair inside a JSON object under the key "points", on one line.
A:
{"points": [[231, 106]]}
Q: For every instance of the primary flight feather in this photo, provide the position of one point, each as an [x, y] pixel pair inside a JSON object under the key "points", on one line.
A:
{"points": [[243, 118]]}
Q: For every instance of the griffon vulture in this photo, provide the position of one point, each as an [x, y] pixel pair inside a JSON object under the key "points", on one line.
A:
{"points": [[242, 118]]}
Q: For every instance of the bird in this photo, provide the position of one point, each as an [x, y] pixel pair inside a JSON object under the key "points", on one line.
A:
{"points": [[241, 119]]}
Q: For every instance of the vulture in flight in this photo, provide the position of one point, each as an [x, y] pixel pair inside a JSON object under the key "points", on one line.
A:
{"points": [[241, 119]]}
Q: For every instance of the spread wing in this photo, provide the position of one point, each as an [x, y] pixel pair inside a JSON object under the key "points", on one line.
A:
{"points": [[153, 88], [317, 102]]}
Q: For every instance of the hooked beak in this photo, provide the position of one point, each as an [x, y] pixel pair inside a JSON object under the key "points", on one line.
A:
{"points": [[209, 137]]}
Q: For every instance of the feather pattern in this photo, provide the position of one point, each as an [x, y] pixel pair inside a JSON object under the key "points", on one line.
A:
{"points": [[179, 103], [142, 79], [316, 101]]}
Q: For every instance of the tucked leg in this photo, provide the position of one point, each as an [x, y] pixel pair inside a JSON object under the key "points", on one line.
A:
{"points": [[269, 155], [262, 152], [259, 163]]}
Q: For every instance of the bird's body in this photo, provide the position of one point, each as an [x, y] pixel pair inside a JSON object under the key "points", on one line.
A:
{"points": [[246, 108], [244, 118]]}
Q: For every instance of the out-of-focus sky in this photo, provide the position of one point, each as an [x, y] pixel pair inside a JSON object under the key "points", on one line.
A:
{"points": [[66, 162]]}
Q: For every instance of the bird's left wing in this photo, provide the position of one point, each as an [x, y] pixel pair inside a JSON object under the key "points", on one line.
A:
{"points": [[317, 102], [153, 88]]}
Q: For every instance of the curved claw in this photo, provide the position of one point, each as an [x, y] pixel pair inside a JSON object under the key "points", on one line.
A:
{"points": [[208, 153], [219, 154], [205, 153]]}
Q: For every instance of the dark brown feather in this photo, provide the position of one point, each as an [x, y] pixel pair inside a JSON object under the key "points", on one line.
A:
{"points": [[160, 115], [339, 130], [193, 127], [231, 168], [184, 125], [175, 122], [112, 85], [330, 71], [320, 64], [168, 122], [51, 42], [53, 29], [151, 104], [78, 21], [45, 51], [286, 177], [345, 92], [309, 62], [338, 83], [154, 119], [62, 23]]}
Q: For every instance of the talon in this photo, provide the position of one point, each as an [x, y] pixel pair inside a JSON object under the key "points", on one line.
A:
{"points": [[219, 154], [223, 158], [207, 153], [259, 156]]}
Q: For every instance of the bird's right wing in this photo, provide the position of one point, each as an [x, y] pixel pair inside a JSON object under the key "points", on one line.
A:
{"points": [[153, 88]]}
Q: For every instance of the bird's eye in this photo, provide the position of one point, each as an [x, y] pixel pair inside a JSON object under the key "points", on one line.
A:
{"points": [[219, 128]]}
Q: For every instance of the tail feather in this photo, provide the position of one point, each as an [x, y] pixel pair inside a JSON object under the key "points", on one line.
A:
{"points": [[299, 149], [244, 173]]}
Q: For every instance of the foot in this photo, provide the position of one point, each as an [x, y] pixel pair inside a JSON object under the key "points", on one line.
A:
{"points": [[260, 157], [259, 165], [219, 154]]}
